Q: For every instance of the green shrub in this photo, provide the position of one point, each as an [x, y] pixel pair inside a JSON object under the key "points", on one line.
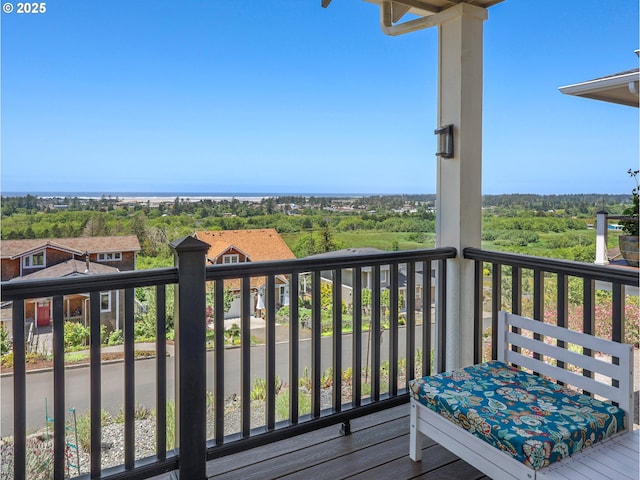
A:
{"points": [[144, 327], [304, 314], [104, 335], [326, 379], [232, 335], [83, 425], [75, 334], [140, 413], [7, 360], [282, 315], [259, 390], [305, 380], [115, 338], [282, 404], [210, 335], [171, 426], [5, 342]]}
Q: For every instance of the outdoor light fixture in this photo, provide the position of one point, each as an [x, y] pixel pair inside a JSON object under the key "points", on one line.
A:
{"points": [[445, 141]]}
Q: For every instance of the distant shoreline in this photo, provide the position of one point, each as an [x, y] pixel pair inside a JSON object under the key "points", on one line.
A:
{"points": [[171, 198], [158, 197], [153, 198], [163, 197]]}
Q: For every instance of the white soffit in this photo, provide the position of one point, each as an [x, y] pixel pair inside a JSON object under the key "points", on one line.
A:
{"points": [[621, 88]]}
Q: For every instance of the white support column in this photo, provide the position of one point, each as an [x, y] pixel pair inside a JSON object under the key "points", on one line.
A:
{"points": [[459, 179]]}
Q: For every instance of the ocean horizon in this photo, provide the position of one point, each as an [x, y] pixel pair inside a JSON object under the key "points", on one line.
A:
{"points": [[185, 195]]}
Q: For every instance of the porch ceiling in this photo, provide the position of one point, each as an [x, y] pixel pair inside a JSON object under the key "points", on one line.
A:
{"points": [[425, 8]]}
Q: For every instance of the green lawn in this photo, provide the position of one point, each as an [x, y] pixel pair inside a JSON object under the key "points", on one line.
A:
{"points": [[574, 245], [373, 239]]}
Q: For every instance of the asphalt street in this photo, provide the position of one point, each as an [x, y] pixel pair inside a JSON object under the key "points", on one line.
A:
{"points": [[40, 384]]}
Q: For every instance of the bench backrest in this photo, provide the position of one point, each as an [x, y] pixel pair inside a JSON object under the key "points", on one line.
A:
{"points": [[612, 372]]}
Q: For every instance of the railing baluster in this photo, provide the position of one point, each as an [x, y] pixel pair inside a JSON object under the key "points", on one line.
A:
{"points": [[245, 356], [538, 302], [356, 388], [129, 380], [270, 359], [316, 336], [516, 297], [426, 318], [96, 384], [617, 313], [478, 311], [294, 347], [442, 317], [218, 370], [161, 371], [516, 291], [374, 335], [617, 329], [337, 340], [59, 439], [563, 308], [588, 319], [496, 306], [393, 330], [19, 390], [410, 314]]}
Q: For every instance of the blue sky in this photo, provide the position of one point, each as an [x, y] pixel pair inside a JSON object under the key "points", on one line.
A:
{"points": [[283, 96]]}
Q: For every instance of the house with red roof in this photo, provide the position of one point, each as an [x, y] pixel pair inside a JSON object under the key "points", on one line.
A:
{"points": [[244, 246]]}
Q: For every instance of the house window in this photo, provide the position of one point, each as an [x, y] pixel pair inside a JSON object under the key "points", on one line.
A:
{"points": [[105, 301], [35, 260], [383, 276], [231, 258], [110, 257]]}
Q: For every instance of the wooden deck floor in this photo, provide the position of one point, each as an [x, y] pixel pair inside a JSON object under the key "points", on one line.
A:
{"points": [[378, 448]]}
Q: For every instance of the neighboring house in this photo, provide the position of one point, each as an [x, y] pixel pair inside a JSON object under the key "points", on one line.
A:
{"points": [[242, 246], [624, 89], [367, 276], [63, 257]]}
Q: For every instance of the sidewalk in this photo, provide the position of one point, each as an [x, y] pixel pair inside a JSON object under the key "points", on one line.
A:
{"points": [[43, 339]]}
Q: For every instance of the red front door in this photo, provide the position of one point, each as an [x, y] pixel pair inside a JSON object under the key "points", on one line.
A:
{"points": [[43, 315]]}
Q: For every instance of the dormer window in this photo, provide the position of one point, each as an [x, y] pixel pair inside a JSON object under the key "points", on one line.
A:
{"points": [[231, 258], [33, 261], [110, 257]]}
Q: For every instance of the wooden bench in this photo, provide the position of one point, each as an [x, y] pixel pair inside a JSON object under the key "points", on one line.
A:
{"points": [[611, 380]]}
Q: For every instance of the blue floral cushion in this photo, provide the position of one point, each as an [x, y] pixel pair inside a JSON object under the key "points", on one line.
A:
{"points": [[532, 419]]}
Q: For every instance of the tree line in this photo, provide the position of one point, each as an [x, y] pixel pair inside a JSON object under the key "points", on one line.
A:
{"points": [[510, 221]]}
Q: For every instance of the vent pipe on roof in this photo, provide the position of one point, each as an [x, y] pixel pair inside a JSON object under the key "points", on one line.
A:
{"points": [[87, 260]]}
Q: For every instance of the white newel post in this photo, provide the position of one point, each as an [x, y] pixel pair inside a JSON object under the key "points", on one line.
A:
{"points": [[459, 179], [602, 230]]}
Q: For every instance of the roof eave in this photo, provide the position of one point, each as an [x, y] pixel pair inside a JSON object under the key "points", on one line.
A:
{"points": [[621, 89]]}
